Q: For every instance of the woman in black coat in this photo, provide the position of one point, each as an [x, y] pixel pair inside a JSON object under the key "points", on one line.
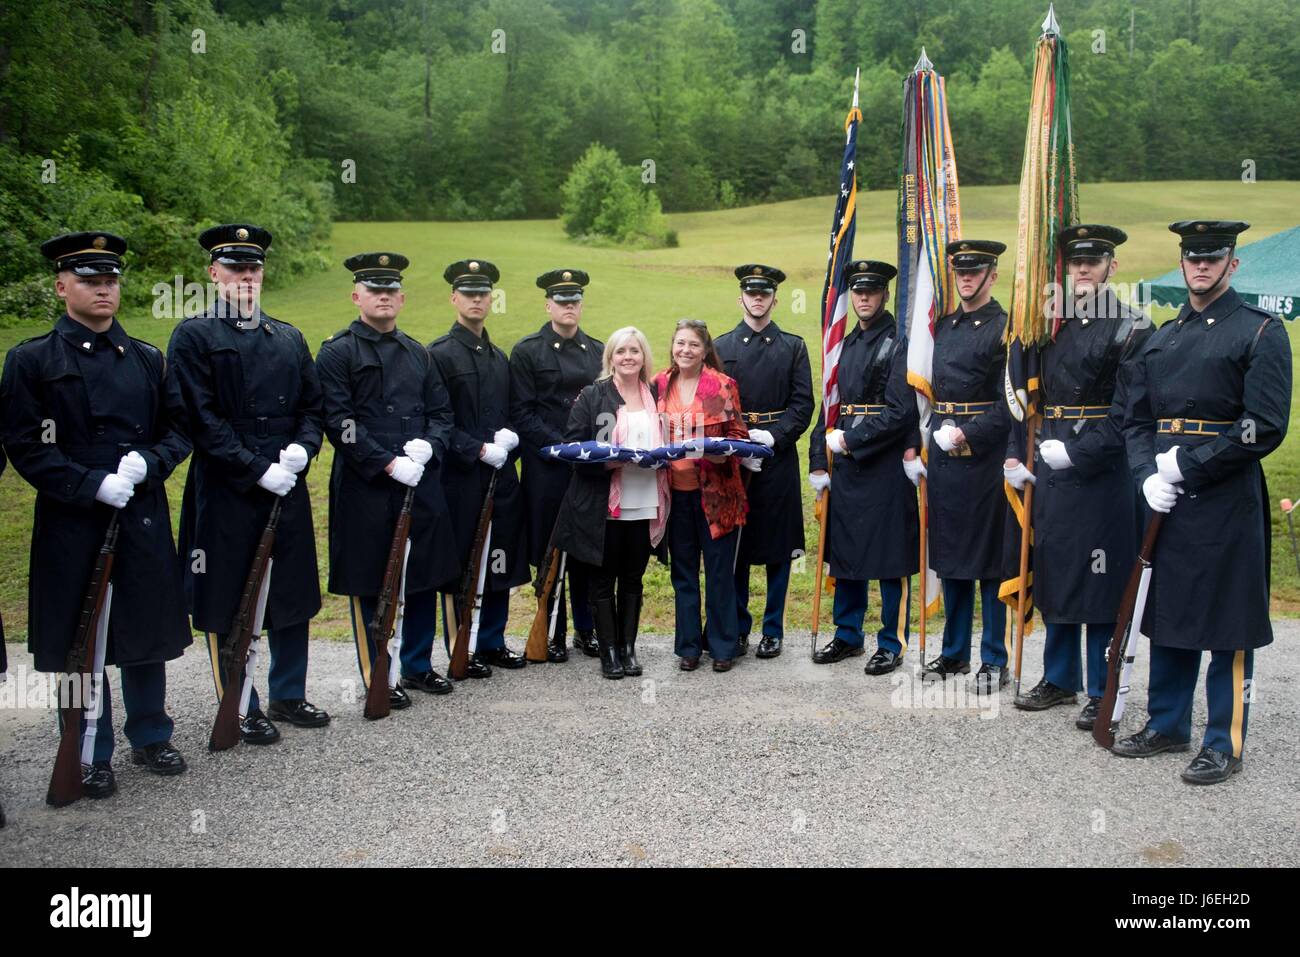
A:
{"points": [[614, 514]]}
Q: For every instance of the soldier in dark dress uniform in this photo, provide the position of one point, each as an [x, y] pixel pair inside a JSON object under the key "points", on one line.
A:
{"points": [[246, 386], [547, 371], [771, 369], [873, 531], [968, 439], [85, 423], [1085, 507], [1210, 398], [389, 420], [477, 376]]}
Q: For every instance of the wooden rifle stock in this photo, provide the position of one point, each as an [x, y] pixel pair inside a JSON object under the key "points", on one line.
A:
{"points": [[1127, 626], [544, 585], [65, 782], [234, 650], [378, 702], [469, 584]]}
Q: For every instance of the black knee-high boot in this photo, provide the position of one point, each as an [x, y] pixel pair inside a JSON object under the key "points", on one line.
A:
{"points": [[602, 612], [629, 620]]}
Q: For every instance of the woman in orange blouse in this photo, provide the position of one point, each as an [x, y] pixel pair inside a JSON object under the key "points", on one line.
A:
{"points": [[697, 400]]}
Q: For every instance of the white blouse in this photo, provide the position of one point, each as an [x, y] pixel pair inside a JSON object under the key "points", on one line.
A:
{"points": [[640, 498]]}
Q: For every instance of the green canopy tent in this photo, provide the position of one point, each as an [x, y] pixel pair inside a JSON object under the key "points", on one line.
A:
{"points": [[1268, 277]]}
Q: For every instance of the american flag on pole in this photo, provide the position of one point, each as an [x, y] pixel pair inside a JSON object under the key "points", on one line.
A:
{"points": [[835, 295]]}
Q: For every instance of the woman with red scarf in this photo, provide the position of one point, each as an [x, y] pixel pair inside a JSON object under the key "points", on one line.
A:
{"points": [[698, 400]]}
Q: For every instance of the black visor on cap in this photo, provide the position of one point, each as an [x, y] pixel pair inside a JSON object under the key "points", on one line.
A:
{"points": [[567, 295], [758, 284]]}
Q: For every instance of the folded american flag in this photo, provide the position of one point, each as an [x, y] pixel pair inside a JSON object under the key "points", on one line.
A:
{"points": [[594, 452]]}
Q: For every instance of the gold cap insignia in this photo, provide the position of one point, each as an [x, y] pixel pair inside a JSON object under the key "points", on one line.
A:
{"points": [[567, 275], [758, 271], [100, 242], [383, 260], [241, 233], [1201, 227], [473, 267], [965, 246], [1082, 231]]}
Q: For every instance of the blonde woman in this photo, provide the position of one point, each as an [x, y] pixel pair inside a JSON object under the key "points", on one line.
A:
{"points": [[614, 514]]}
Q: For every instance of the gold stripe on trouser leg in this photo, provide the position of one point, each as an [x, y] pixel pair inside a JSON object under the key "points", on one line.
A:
{"points": [[1238, 701], [214, 653], [904, 603], [359, 636]]}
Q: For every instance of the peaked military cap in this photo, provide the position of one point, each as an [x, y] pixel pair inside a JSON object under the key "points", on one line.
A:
{"points": [[377, 270], [563, 285], [755, 277], [975, 253], [471, 275], [1090, 240], [1207, 238], [86, 254], [236, 243], [870, 274]]}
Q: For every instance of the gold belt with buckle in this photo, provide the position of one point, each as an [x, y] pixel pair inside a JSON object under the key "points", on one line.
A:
{"points": [[848, 408], [962, 408], [764, 418], [1075, 411], [1193, 426]]}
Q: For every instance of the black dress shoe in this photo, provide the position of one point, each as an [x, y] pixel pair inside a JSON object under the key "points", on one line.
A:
{"points": [[991, 678], [722, 664], [837, 650], [557, 651], [398, 700], [258, 729], [1044, 695], [882, 662], [476, 667], [98, 780], [1088, 716], [503, 658], [586, 642], [1211, 767], [689, 663], [742, 646], [944, 666], [1145, 743], [768, 647], [430, 682], [299, 712], [160, 758]]}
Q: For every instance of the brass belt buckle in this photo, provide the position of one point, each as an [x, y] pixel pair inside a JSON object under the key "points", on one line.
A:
{"points": [[1057, 412], [1176, 426]]}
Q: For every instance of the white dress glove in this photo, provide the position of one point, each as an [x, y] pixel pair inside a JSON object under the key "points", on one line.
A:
{"points": [[133, 468], [493, 454], [1160, 495], [819, 481], [115, 490], [506, 439], [835, 442], [1167, 466], [278, 480], [762, 436], [1054, 454], [293, 458], [753, 463], [1018, 476], [914, 468], [418, 451], [407, 471], [943, 437]]}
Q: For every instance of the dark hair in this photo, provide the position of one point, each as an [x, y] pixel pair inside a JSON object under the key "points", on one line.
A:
{"points": [[701, 329]]}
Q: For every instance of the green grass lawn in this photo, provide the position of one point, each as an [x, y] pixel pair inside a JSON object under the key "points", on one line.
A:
{"points": [[654, 288]]}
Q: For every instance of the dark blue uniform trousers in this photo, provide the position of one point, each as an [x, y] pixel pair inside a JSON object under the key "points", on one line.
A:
{"points": [[144, 698], [688, 540], [778, 582], [419, 626], [959, 615], [287, 680], [576, 585], [493, 612], [1061, 656], [850, 609], [1227, 691]]}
